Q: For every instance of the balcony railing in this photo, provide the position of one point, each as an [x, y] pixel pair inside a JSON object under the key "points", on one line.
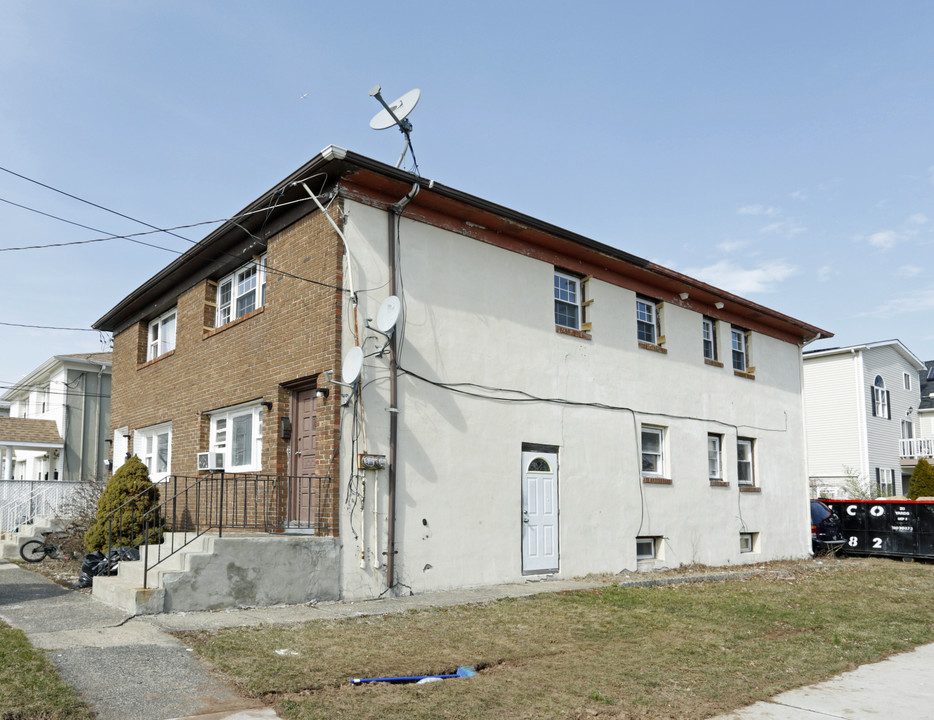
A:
{"points": [[914, 448]]}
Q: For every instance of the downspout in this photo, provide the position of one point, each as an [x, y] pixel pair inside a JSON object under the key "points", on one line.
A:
{"points": [[395, 214]]}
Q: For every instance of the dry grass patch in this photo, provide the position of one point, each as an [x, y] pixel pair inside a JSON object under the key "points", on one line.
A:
{"points": [[676, 651]]}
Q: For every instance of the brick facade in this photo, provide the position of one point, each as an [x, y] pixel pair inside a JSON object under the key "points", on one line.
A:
{"points": [[294, 335]]}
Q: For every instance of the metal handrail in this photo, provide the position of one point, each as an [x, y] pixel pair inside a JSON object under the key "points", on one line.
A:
{"points": [[193, 506]]}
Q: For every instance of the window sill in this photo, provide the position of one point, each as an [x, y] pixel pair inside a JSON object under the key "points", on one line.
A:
{"points": [[211, 332], [653, 348], [163, 356], [560, 329], [740, 373], [713, 363], [719, 483], [656, 480], [750, 488]]}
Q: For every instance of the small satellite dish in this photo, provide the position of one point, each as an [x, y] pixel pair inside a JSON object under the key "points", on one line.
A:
{"points": [[353, 363], [396, 112], [388, 314]]}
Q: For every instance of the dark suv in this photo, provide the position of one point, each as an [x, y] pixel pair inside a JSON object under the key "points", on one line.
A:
{"points": [[825, 529]]}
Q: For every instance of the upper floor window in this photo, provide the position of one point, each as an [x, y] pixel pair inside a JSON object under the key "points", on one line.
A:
{"points": [[567, 301], [241, 292], [880, 399], [745, 465], [907, 430], [714, 458], [153, 445], [907, 381], [740, 345], [653, 451], [709, 329], [238, 433], [647, 321], [161, 335]]}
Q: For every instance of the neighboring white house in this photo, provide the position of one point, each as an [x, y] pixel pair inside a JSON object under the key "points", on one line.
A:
{"points": [[58, 421], [861, 405]]}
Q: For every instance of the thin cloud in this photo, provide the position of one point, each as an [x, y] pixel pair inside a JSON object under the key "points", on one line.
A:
{"points": [[884, 239], [910, 271], [732, 245], [887, 239], [913, 302], [768, 211], [917, 219], [799, 195], [785, 228], [764, 278], [825, 273]]}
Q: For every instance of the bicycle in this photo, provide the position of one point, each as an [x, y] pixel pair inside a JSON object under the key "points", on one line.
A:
{"points": [[38, 550]]}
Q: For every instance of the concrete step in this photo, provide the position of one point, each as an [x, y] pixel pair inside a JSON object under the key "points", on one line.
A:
{"points": [[13, 541], [233, 571]]}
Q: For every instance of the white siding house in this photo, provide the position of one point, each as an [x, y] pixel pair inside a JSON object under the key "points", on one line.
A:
{"points": [[860, 401]]}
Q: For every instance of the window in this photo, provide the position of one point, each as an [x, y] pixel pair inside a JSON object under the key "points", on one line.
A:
{"points": [[747, 542], [241, 292], [714, 458], [153, 445], [907, 377], [646, 548], [647, 320], [740, 345], [238, 433], [161, 335], [567, 301], [653, 451], [745, 467], [885, 482], [907, 430], [880, 399], [709, 328]]}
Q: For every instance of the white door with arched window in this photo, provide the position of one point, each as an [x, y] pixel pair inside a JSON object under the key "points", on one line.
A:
{"points": [[539, 512]]}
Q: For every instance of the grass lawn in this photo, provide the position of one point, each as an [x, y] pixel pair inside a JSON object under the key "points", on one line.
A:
{"points": [[30, 687], [676, 651]]}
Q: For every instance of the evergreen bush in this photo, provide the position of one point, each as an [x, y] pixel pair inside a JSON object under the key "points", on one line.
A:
{"points": [[130, 485], [922, 481]]}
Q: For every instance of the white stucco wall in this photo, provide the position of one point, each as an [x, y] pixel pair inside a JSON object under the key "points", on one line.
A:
{"points": [[475, 313]]}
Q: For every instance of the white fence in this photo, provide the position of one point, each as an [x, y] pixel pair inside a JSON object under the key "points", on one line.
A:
{"points": [[23, 500]]}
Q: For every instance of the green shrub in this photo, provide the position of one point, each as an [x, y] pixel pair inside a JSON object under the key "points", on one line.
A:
{"points": [[922, 481], [130, 485]]}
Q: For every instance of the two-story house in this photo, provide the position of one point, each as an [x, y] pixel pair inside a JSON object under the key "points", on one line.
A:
{"points": [[56, 433], [861, 404], [920, 443], [454, 393]]}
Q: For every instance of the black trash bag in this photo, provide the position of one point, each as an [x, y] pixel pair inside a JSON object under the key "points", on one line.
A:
{"points": [[96, 563]]}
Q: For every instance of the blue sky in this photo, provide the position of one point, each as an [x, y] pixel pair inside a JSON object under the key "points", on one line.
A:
{"points": [[781, 151]]}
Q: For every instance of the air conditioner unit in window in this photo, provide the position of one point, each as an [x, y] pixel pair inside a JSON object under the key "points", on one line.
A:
{"points": [[210, 461]]}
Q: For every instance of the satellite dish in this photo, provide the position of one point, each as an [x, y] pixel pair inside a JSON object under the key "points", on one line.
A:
{"points": [[396, 112], [353, 363], [388, 314]]}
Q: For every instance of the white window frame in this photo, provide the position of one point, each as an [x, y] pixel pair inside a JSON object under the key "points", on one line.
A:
{"points": [[709, 333], [567, 301], [152, 444], [740, 350], [646, 548], [233, 288], [907, 377], [747, 542], [715, 457], [880, 406], [223, 437], [647, 329], [658, 455], [885, 482], [908, 430], [160, 337], [748, 462]]}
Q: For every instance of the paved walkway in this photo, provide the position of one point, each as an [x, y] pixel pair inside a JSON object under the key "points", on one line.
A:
{"points": [[130, 668]]}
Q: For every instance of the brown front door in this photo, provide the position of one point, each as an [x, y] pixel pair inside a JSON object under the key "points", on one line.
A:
{"points": [[302, 464]]}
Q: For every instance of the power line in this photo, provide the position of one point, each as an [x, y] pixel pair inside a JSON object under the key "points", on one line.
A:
{"points": [[273, 199], [49, 327]]}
